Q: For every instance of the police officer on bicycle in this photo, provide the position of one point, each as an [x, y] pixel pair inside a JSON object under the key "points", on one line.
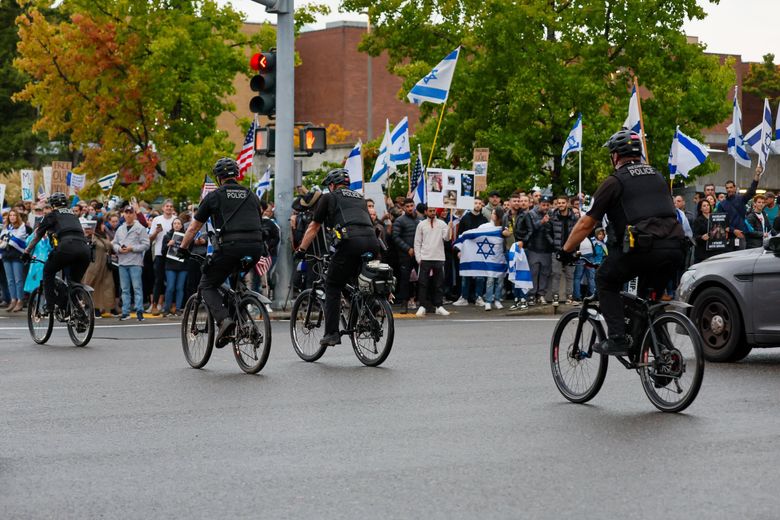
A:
{"points": [[70, 247], [236, 216], [644, 237], [345, 212]]}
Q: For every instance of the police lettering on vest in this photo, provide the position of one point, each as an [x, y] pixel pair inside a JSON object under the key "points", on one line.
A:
{"points": [[239, 213]]}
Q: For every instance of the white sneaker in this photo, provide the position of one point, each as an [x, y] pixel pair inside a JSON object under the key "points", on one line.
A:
{"points": [[488, 306], [461, 302], [497, 305], [441, 311], [420, 311], [479, 301]]}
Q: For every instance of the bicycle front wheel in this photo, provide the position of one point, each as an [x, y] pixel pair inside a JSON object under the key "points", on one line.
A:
{"points": [[197, 332], [374, 330], [81, 316], [40, 326], [672, 379], [252, 342], [578, 372], [307, 325]]}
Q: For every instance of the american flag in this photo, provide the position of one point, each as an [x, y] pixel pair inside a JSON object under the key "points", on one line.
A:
{"points": [[247, 152], [41, 194], [208, 187], [263, 265], [417, 170]]}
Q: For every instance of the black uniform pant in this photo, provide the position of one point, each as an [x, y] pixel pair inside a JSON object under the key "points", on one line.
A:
{"points": [[73, 254], [344, 266], [223, 263], [654, 267]]}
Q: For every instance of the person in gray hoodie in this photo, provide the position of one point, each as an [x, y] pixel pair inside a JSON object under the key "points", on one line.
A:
{"points": [[130, 243]]}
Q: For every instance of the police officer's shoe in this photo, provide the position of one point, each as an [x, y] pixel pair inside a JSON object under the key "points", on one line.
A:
{"points": [[328, 340], [225, 334], [614, 345]]}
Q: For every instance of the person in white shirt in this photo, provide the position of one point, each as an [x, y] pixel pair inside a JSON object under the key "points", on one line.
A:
{"points": [[161, 224], [429, 252]]}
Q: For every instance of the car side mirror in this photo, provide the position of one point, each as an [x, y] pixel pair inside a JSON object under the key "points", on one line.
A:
{"points": [[773, 245]]}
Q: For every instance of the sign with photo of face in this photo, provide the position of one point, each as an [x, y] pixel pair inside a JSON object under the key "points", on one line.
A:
{"points": [[450, 188]]}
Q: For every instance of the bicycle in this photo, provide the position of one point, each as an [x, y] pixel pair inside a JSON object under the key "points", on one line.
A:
{"points": [[252, 336], [78, 311], [666, 352], [366, 316]]}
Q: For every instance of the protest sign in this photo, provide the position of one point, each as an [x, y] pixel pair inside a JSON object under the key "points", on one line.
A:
{"points": [[28, 185], [59, 176], [2, 195], [47, 180], [480, 162], [716, 231], [173, 250], [450, 188]]}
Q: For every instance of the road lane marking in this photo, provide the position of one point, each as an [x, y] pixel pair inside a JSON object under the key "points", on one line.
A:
{"points": [[64, 327]]}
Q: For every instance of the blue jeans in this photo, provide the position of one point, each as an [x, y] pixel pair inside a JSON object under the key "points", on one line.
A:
{"points": [[130, 278], [493, 288], [580, 272], [479, 286], [14, 273], [175, 281]]}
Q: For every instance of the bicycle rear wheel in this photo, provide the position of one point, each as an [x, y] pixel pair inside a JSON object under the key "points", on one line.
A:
{"points": [[672, 380], [252, 342], [40, 326], [374, 330], [81, 316], [578, 372], [197, 332], [307, 325]]}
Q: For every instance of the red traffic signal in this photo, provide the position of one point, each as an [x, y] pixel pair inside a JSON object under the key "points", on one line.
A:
{"points": [[264, 83], [312, 139], [263, 61]]}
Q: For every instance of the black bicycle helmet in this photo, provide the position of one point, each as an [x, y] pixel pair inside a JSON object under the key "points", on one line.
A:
{"points": [[625, 143], [339, 177], [58, 200], [225, 167]]}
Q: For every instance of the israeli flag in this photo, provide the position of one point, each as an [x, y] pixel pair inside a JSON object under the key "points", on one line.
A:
{"points": [[354, 165], [574, 141], [435, 86], [519, 269], [686, 154], [736, 143], [482, 251], [420, 195], [382, 166], [399, 143], [634, 120], [753, 137], [264, 184], [107, 182], [766, 135]]}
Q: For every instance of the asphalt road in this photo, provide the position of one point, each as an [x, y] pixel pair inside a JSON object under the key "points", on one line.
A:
{"points": [[462, 421]]}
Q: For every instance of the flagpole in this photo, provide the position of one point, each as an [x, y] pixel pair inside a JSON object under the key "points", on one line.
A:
{"points": [[641, 119], [580, 182], [433, 146]]}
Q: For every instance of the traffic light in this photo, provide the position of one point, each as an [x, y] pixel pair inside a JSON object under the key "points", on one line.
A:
{"points": [[264, 83], [312, 139], [265, 140]]}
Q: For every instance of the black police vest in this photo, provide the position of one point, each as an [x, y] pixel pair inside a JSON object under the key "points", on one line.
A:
{"points": [[350, 213], [66, 224], [239, 212], [645, 193]]}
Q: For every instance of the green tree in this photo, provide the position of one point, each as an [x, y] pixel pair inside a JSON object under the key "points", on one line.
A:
{"points": [[527, 68], [763, 80]]}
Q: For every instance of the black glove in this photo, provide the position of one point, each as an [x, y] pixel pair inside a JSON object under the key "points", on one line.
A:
{"points": [[300, 254], [26, 257], [183, 253], [565, 258]]}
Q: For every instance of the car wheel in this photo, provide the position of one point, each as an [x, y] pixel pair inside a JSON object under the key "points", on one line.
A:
{"points": [[717, 318]]}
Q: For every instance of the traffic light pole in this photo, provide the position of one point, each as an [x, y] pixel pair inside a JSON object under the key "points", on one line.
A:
{"points": [[285, 118]]}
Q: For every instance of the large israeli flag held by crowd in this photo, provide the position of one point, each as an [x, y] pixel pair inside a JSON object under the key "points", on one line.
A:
{"points": [[382, 166], [482, 251], [686, 154], [354, 165], [766, 135], [519, 269], [399, 143], [736, 142], [574, 141], [435, 86]]}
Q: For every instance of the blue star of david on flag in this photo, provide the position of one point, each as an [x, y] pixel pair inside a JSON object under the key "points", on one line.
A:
{"points": [[486, 249]]}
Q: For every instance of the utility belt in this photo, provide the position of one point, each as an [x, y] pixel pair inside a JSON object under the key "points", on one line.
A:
{"points": [[342, 234], [634, 240], [68, 238], [220, 238]]}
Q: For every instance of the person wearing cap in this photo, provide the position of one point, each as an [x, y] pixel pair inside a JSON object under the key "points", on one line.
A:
{"points": [[536, 235], [345, 212], [645, 237], [494, 201], [130, 243]]}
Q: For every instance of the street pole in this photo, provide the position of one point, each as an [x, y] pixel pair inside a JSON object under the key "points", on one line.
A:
{"points": [[370, 91]]}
